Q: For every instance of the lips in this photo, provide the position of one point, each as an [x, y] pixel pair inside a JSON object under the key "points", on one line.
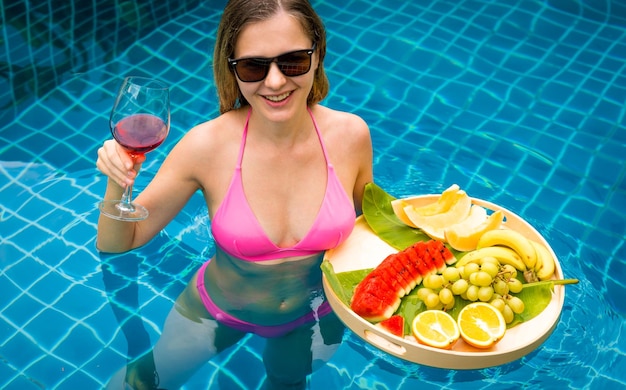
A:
{"points": [[277, 98]]}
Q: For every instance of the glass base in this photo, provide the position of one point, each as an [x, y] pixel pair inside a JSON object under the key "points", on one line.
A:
{"points": [[116, 209]]}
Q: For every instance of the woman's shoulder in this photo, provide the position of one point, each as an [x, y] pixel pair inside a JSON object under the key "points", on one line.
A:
{"points": [[344, 127], [218, 127], [336, 118], [212, 134]]}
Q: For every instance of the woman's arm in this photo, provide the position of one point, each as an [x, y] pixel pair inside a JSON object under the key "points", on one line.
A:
{"points": [[364, 157], [164, 197]]}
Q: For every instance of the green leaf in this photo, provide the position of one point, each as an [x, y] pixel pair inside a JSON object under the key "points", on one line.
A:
{"points": [[379, 215], [333, 279]]}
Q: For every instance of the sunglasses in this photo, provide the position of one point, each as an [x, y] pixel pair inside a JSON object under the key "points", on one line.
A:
{"points": [[292, 64]]}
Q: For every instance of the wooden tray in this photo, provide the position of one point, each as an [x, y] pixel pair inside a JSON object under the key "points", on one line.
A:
{"points": [[364, 249]]}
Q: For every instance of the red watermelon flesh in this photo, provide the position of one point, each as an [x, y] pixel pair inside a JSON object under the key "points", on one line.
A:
{"points": [[422, 250], [376, 286], [403, 274], [390, 270], [441, 255], [394, 325], [416, 256], [413, 273], [372, 308], [391, 279]]}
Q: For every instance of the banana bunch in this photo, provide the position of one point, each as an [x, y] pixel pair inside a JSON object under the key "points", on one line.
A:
{"points": [[513, 248]]}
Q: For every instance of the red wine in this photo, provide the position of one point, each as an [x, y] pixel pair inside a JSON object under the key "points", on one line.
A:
{"points": [[140, 133]]}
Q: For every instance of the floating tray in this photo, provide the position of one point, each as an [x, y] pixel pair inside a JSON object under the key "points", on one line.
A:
{"points": [[364, 249]]}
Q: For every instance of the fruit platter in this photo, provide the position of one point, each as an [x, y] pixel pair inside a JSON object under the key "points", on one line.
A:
{"points": [[445, 280]]}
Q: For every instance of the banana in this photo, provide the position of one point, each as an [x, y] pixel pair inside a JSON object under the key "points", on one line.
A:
{"points": [[505, 255], [512, 239], [547, 265], [540, 256]]}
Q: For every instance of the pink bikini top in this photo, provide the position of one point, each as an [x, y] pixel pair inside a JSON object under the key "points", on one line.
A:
{"points": [[237, 231]]}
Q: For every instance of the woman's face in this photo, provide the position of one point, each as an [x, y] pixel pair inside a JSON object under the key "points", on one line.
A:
{"points": [[277, 97]]}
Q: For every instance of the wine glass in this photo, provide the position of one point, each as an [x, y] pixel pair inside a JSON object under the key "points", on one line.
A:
{"points": [[140, 121]]}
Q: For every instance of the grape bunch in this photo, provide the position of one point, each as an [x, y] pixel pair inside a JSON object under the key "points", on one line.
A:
{"points": [[486, 280]]}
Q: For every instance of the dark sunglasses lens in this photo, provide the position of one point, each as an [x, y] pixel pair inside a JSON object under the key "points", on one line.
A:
{"points": [[252, 69], [294, 64]]}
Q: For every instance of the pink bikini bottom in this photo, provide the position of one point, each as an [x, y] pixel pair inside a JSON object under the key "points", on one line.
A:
{"points": [[261, 330]]}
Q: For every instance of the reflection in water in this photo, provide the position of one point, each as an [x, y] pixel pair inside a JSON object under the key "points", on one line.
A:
{"points": [[46, 43], [164, 265]]}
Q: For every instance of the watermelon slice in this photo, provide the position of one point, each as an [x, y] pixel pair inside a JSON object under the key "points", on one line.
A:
{"points": [[379, 294], [402, 273], [441, 255], [393, 325], [372, 308], [414, 274]]}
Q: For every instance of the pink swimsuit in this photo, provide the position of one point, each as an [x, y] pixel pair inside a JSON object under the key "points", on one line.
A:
{"points": [[238, 233]]}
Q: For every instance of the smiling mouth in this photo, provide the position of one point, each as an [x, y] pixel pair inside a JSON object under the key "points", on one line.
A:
{"points": [[278, 98]]}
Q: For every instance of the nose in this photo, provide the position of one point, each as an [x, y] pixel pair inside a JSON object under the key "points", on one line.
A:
{"points": [[275, 78]]}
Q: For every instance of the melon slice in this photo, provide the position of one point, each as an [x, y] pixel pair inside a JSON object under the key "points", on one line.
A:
{"points": [[393, 325]]}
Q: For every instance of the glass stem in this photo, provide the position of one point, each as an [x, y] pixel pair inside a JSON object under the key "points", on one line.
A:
{"points": [[125, 203]]}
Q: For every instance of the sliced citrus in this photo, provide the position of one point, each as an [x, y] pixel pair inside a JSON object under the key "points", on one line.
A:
{"points": [[434, 225], [464, 236], [435, 328], [443, 203], [481, 325]]}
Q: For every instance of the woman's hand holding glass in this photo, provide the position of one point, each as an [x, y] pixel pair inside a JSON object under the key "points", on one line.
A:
{"points": [[140, 121]]}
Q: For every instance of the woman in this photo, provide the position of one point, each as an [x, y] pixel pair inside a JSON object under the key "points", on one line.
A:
{"points": [[282, 177]]}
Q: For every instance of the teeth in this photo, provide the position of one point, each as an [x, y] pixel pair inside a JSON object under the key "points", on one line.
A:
{"points": [[278, 98]]}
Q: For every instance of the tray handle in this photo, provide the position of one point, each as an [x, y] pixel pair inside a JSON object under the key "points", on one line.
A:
{"points": [[383, 343]]}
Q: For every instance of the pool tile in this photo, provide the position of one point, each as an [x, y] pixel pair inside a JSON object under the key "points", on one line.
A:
{"points": [[427, 77]]}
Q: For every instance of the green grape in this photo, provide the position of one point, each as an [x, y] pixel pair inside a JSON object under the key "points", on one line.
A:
{"points": [[423, 292], [498, 303], [451, 275], [472, 293], [469, 269], [459, 287], [508, 314], [450, 305], [489, 259], [516, 304], [501, 287], [481, 279], [433, 281], [446, 296], [485, 293], [432, 300], [509, 271], [515, 286], [490, 268]]}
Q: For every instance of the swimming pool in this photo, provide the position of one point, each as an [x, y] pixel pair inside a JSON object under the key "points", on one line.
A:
{"points": [[520, 104]]}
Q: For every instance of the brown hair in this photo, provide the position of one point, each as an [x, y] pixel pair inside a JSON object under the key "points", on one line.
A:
{"points": [[236, 15]]}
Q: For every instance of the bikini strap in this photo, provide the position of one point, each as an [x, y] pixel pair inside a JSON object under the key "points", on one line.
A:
{"points": [[319, 135], [244, 137]]}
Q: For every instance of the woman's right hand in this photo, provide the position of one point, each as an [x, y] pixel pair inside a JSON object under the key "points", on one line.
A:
{"points": [[115, 162]]}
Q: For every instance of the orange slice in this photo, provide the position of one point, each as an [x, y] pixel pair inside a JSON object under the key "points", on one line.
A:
{"points": [[481, 325], [435, 225], [435, 328], [443, 203], [464, 236]]}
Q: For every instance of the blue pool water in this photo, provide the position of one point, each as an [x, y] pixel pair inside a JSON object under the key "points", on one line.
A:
{"points": [[519, 102]]}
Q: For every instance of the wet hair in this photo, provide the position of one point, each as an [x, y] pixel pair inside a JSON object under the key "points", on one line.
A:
{"points": [[238, 14]]}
